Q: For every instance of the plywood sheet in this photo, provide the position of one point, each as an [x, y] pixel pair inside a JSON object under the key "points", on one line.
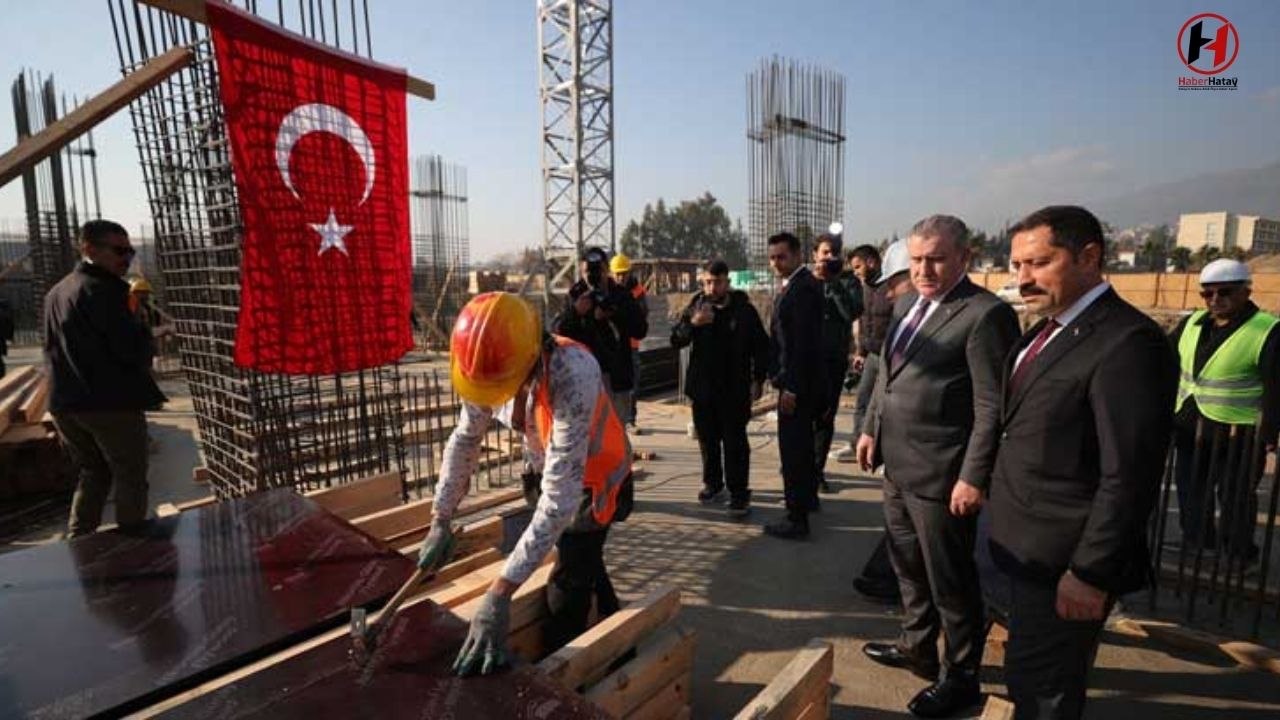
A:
{"points": [[408, 677], [111, 622]]}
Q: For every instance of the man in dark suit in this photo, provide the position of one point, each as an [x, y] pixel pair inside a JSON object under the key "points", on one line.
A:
{"points": [[934, 421], [798, 372], [1087, 410]]}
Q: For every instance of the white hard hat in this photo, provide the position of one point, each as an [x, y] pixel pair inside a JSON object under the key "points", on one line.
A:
{"points": [[896, 260], [1224, 271]]}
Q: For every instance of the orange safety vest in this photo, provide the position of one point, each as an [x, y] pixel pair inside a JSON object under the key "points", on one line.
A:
{"points": [[637, 291], [609, 452]]}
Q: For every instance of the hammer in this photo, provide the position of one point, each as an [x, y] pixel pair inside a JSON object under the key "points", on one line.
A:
{"points": [[365, 634]]}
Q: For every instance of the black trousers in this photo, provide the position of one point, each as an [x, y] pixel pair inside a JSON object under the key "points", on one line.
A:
{"points": [[1047, 659], [878, 566], [578, 576], [722, 439], [795, 445], [824, 425], [932, 553], [1236, 497]]}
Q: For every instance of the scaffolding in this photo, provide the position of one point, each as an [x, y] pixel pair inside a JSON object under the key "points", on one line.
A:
{"points": [[55, 203], [795, 146], [441, 247], [257, 430], [575, 47]]}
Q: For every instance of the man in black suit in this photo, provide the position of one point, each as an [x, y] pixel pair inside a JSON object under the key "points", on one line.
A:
{"points": [[1087, 411], [798, 372], [934, 420]]}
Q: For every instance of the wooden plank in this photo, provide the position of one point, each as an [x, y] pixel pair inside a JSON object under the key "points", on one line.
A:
{"points": [[528, 604], [361, 497], [470, 538], [1246, 654], [819, 709], [659, 661], [19, 434], [33, 408], [799, 683], [401, 521], [53, 138], [586, 658], [14, 379], [997, 708], [667, 703], [9, 406], [455, 592], [195, 10]]}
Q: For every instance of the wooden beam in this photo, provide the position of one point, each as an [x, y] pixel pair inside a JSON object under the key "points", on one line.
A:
{"points": [[1246, 654], [586, 658], [361, 497], [670, 702], [796, 687], [33, 408], [997, 708], [53, 138], [667, 656], [472, 536], [195, 10]]}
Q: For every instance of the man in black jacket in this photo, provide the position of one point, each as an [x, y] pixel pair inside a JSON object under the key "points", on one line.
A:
{"points": [[99, 358], [728, 362], [798, 372], [841, 306], [1086, 413], [603, 315]]}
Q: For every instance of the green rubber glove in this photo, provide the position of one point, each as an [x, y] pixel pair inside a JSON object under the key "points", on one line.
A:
{"points": [[485, 649], [437, 548]]}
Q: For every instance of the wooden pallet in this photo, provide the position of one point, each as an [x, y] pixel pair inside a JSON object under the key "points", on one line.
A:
{"points": [[31, 460]]}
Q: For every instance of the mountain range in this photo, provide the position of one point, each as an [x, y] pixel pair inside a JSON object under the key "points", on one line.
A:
{"points": [[1253, 191]]}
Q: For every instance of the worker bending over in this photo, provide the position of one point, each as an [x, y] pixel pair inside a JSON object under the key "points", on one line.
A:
{"points": [[577, 467]]}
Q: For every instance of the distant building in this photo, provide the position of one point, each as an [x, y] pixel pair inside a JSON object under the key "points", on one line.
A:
{"points": [[1224, 230]]}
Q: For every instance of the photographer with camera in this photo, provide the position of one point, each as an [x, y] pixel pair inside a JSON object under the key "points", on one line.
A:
{"points": [[602, 315], [841, 306]]}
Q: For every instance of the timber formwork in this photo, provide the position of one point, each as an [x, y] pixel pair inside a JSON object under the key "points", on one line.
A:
{"points": [[256, 430]]}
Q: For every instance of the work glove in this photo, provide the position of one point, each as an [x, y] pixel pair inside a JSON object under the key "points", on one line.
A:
{"points": [[437, 548], [485, 649]]}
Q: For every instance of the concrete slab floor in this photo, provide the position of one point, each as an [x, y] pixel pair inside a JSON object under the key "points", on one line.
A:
{"points": [[754, 600]]}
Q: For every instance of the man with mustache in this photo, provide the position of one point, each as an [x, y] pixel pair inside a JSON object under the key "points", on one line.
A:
{"points": [[934, 419], [1085, 415]]}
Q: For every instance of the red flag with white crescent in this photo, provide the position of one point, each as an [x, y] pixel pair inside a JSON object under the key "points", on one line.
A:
{"points": [[320, 156]]}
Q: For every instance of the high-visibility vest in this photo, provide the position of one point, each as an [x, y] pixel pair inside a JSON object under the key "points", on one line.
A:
{"points": [[1229, 387], [609, 451], [637, 291]]}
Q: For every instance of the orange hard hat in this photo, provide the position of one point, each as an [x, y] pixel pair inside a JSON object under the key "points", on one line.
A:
{"points": [[495, 343]]}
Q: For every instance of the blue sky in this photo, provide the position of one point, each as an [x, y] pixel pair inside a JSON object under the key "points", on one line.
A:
{"points": [[983, 109]]}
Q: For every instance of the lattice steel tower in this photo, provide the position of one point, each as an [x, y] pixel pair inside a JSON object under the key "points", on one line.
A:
{"points": [[575, 48]]}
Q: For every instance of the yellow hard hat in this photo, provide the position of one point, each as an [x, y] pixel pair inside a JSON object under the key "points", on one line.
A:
{"points": [[139, 284], [494, 345], [620, 264]]}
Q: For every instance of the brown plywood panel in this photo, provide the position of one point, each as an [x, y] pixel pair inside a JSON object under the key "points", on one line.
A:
{"points": [[409, 676], [112, 622]]}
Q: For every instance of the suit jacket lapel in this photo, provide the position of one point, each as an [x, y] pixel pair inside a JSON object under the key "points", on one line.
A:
{"points": [[1061, 345], [949, 308]]}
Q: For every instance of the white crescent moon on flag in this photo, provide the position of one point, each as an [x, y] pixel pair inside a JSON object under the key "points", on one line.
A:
{"points": [[318, 117]]}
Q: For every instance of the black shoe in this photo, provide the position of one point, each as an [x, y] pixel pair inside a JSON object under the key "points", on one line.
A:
{"points": [[884, 592], [893, 656], [825, 488], [707, 496], [788, 529], [947, 697], [739, 507]]}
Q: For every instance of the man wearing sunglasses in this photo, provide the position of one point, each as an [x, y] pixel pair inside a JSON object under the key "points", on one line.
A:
{"points": [[1228, 353], [99, 357]]}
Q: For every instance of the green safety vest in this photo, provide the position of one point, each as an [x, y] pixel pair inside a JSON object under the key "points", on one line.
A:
{"points": [[1229, 388]]}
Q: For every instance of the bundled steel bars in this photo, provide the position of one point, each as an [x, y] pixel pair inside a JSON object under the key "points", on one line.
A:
{"points": [[441, 247], [55, 203], [795, 147], [257, 430]]}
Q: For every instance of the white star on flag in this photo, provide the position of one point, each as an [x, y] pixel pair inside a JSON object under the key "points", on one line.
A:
{"points": [[331, 234]]}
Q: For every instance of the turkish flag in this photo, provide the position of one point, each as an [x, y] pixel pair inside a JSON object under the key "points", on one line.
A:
{"points": [[320, 157]]}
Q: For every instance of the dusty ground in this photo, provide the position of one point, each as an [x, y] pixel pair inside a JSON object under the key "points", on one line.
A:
{"points": [[754, 601]]}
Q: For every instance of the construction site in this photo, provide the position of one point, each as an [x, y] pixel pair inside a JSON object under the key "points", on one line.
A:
{"points": [[284, 507]]}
